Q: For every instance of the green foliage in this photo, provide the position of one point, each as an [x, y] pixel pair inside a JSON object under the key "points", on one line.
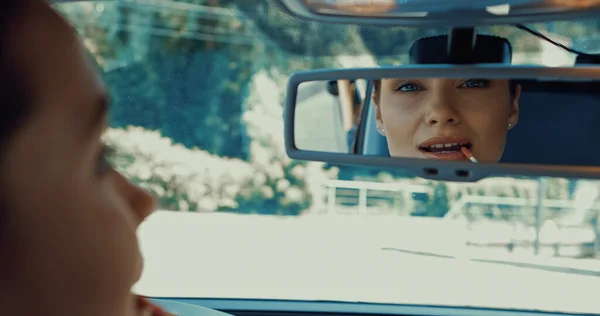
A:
{"points": [[438, 206], [193, 180], [176, 94]]}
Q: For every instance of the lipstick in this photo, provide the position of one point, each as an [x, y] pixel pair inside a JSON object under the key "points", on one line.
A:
{"points": [[468, 154]]}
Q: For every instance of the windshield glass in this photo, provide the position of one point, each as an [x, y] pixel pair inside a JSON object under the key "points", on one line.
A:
{"points": [[197, 90]]}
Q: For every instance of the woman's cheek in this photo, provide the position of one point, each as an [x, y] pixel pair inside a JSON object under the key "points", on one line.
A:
{"points": [[495, 141]]}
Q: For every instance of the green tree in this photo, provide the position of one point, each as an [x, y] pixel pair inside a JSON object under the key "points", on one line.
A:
{"points": [[439, 205]]}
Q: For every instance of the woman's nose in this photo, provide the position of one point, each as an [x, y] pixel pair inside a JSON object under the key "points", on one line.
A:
{"points": [[441, 111], [441, 119], [139, 200]]}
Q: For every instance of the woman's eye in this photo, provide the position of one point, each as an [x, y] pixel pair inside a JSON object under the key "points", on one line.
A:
{"points": [[104, 160], [475, 83], [409, 87]]}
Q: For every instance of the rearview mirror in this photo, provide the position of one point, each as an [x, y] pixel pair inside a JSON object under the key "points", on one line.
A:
{"points": [[441, 13], [449, 122]]}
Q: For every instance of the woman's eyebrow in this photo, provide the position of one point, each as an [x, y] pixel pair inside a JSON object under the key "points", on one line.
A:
{"points": [[394, 81]]}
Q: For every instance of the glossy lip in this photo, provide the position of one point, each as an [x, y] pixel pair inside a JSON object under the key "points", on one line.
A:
{"points": [[457, 155]]}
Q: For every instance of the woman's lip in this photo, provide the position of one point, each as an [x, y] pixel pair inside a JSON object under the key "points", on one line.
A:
{"points": [[445, 140], [455, 155]]}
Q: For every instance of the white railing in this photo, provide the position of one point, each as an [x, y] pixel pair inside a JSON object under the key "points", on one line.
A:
{"points": [[459, 206], [364, 187]]}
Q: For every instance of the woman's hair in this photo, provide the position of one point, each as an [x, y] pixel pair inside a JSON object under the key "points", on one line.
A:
{"points": [[14, 105], [512, 88]]}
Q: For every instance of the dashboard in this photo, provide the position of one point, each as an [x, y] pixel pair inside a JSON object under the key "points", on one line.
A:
{"points": [[240, 307]]}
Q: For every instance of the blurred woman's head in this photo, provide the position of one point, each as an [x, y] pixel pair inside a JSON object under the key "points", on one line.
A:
{"points": [[68, 221], [433, 118]]}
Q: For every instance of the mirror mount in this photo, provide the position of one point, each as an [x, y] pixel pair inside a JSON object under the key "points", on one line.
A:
{"points": [[461, 45]]}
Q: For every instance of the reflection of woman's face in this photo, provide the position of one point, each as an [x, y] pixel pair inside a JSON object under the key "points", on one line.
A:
{"points": [[433, 118]]}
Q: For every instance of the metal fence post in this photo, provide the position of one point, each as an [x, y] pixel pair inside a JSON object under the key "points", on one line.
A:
{"points": [[596, 234], [539, 214], [362, 201], [331, 199]]}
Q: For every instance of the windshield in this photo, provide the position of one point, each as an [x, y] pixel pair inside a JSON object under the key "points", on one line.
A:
{"points": [[197, 90]]}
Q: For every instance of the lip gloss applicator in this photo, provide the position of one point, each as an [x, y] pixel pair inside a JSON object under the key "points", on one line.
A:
{"points": [[468, 154]]}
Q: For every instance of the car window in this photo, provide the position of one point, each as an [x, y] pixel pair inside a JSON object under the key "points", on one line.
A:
{"points": [[197, 89]]}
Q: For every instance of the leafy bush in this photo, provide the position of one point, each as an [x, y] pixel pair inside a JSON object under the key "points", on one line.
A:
{"points": [[180, 178], [194, 180]]}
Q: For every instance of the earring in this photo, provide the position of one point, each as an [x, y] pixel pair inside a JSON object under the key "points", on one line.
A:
{"points": [[381, 129], [509, 126]]}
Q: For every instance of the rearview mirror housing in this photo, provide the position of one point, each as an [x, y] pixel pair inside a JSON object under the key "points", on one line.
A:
{"points": [[437, 169], [439, 13]]}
